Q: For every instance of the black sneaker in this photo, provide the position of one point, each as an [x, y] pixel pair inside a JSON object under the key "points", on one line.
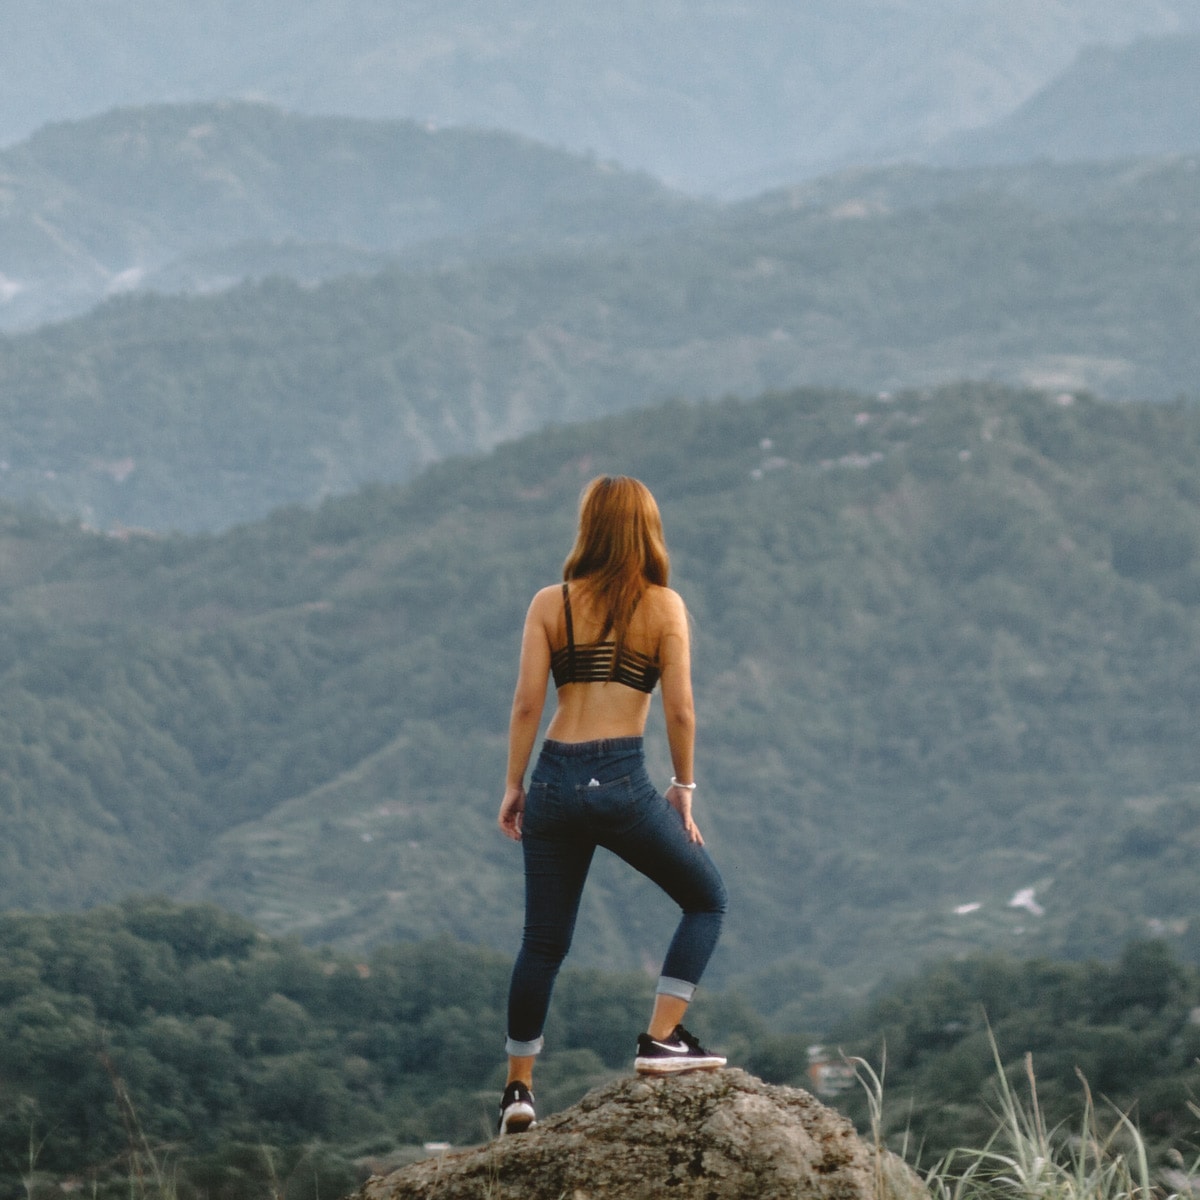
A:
{"points": [[516, 1109], [679, 1052]]}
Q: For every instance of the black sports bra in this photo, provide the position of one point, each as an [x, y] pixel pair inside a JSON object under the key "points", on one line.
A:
{"points": [[593, 662]]}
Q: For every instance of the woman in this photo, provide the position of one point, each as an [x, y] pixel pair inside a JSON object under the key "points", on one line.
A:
{"points": [[608, 634]]}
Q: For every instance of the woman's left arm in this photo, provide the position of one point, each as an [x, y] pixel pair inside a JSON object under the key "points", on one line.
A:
{"points": [[529, 698], [679, 708]]}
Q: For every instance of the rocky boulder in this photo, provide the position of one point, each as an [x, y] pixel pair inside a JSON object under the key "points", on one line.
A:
{"points": [[713, 1135]]}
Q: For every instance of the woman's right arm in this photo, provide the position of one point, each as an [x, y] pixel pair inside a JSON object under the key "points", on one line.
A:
{"points": [[678, 707], [529, 698]]}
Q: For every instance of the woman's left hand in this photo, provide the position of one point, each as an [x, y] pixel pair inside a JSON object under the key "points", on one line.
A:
{"points": [[512, 812], [680, 799]]}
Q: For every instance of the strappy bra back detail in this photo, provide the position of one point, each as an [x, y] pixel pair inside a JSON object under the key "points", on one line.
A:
{"points": [[593, 662]]}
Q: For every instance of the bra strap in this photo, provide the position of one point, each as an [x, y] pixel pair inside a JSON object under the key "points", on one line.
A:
{"points": [[570, 632]]}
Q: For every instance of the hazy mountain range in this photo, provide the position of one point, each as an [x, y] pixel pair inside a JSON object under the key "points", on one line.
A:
{"points": [[545, 288], [707, 96], [198, 197]]}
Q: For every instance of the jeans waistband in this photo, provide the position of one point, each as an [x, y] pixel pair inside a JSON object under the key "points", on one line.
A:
{"points": [[591, 749]]}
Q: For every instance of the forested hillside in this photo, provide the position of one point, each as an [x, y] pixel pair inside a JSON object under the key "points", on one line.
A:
{"points": [[153, 1049], [195, 197], [946, 668], [200, 412]]}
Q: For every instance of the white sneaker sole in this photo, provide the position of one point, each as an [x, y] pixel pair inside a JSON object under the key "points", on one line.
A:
{"points": [[676, 1066], [518, 1118]]}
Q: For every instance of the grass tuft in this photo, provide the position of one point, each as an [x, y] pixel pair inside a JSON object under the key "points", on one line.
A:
{"points": [[1025, 1159]]}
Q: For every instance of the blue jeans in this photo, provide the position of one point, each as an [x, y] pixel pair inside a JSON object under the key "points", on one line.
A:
{"points": [[583, 795]]}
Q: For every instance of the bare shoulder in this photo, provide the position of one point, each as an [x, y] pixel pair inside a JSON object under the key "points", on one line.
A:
{"points": [[546, 602], [666, 604]]}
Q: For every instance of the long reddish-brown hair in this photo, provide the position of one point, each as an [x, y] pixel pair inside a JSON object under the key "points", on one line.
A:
{"points": [[619, 549]]}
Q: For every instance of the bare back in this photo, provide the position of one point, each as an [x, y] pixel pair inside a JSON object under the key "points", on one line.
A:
{"points": [[589, 711]]}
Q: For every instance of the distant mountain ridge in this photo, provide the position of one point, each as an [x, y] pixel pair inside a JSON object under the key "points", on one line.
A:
{"points": [[1128, 189], [1113, 102], [196, 197], [733, 98]]}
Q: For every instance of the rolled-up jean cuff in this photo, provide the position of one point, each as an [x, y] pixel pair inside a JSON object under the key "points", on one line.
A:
{"points": [[523, 1049], [679, 988]]}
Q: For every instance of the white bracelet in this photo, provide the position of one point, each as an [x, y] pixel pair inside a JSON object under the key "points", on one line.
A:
{"points": [[687, 787]]}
